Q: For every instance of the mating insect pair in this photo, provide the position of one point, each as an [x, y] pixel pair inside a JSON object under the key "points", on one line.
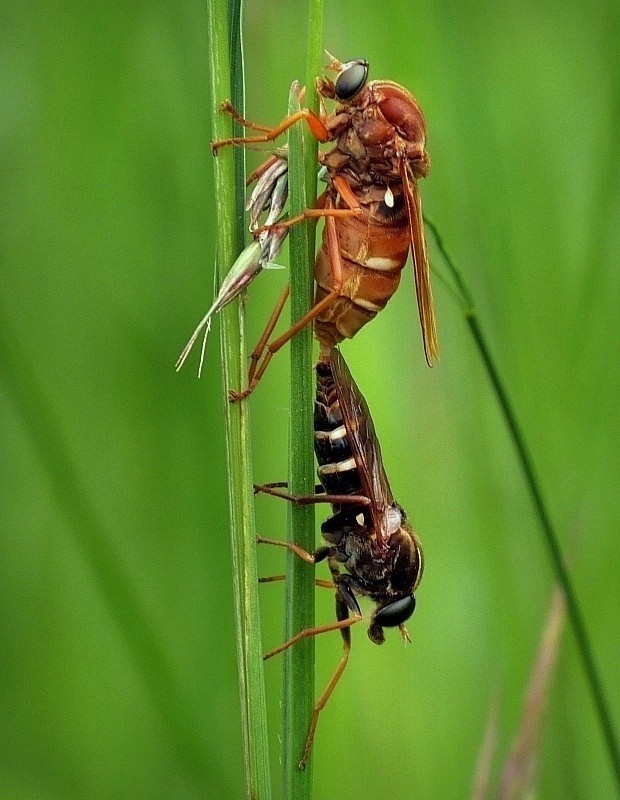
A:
{"points": [[373, 216], [371, 208], [368, 533]]}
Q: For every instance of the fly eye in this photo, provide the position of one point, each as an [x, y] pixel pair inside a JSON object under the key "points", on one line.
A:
{"points": [[351, 78], [395, 613]]}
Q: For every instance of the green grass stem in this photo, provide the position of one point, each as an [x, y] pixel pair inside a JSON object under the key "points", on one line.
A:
{"points": [[298, 687], [550, 536], [239, 463]]}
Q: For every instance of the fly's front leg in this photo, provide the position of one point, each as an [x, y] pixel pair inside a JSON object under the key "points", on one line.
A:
{"points": [[276, 578], [315, 124], [309, 499], [308, 633], [310, 558], [324, 207], [309, 213]]}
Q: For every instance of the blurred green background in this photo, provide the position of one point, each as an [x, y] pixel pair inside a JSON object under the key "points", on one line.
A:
{"points": [[118, 676]]}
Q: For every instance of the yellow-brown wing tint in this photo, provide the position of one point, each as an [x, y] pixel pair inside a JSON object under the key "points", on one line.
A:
{"points": [[364, 444], [421, 267]]}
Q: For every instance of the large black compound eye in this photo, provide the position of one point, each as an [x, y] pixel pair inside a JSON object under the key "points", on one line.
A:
{"points": [[351, 78], [395, 613]]}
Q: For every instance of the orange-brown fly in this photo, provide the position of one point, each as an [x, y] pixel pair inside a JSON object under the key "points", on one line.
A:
{"points": [[371, 207]]}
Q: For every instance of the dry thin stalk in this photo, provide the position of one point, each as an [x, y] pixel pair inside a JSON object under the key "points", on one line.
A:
{"points": [[520, 767], [486, 754]]}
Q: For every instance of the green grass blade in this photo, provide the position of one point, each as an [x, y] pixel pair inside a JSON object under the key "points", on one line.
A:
{"points": [[550, 536], [241, 501], [298, 691]]}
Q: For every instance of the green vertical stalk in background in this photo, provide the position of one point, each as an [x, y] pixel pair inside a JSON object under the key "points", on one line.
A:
{"points": [[575, 615], [298, 687], [240, 493]]}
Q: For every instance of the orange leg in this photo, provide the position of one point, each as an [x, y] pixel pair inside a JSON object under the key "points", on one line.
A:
{"points": [[262, 168], [317, 581], [311, 499], [323, 208], [341, 185], [309, 558], [335, 261], [271, 324], [310, 213], [309, 632], [316, 125], [275, 315], [322, 701], [343, 624]]}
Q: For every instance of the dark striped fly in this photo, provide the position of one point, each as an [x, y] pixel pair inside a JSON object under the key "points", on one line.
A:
{"points": [[374, 542], [371, 548]]}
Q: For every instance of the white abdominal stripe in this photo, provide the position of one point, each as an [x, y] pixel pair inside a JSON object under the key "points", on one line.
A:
{"points": [[382, 264], [333, 436], [341, 466]]}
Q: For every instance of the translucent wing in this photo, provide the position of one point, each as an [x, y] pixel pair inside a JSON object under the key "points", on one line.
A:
{"points": [[365, 447], [421, 268]]}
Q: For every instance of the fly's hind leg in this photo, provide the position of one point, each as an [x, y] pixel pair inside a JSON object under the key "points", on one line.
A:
{"points": [[272, 348], [348, 613], [345, 603]]}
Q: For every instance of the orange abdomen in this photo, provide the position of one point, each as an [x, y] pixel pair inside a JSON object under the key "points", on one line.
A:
{"points": [[373, 253]]}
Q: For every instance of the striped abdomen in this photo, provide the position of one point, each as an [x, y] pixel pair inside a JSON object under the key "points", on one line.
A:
{"points": [[373, 252], [337, 469]]}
